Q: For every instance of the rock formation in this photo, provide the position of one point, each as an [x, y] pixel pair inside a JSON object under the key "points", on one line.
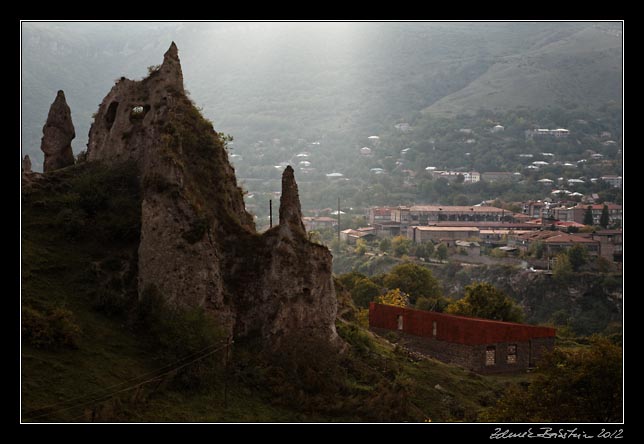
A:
{"points": [[199, 246], [26, 164], [58, 134]]}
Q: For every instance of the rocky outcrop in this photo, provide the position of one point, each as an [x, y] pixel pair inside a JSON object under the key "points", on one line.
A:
{"points": [[26, 164], [58, 134], [286, 284], [199, 246]]}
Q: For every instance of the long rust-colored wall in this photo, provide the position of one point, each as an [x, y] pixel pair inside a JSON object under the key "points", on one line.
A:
{"points": [[451, 328]]}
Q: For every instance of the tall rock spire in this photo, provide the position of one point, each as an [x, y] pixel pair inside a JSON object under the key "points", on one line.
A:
{"points": [[290, 208], [26, 164], [171, 68], [58, 133]]}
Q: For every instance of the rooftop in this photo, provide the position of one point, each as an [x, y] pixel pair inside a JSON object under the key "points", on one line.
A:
{"points": [[467, 228], [457, 208]]}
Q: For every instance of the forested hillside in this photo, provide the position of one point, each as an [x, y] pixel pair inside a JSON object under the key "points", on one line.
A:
{"points": [[335, 83]]}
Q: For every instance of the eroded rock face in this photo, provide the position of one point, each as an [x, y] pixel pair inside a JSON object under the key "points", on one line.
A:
{"points": [[58, 134], [131, 117], [286, 286], [199, 246]]}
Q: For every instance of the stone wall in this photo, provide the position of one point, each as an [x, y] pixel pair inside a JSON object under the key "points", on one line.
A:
{"points": [[473, 357]]}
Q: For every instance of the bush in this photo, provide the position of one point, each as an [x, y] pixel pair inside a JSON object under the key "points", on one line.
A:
{"points": [[580, 385], [415, 280], [438, 304], [483, 300], [35, 328], [112, 302], [357, 337], [55, 330], [71, 221], [364, 292], [177, 332]]}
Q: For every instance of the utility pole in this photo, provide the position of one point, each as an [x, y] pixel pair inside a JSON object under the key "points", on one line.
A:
{"points": [[338, 218], [270, 213]]}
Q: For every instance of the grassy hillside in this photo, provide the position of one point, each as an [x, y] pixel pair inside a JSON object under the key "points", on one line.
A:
{"points": [[91, 349], [581, 70]]}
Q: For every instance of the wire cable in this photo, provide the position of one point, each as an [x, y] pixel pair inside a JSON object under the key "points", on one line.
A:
{"points": [[121, 383], [110, 395]]}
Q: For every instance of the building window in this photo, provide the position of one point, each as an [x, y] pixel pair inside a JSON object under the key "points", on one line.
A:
{"points": [[490, 356], [434, 328], [512, 354], [400, 322]]}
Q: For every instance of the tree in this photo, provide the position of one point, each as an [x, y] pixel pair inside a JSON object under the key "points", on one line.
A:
{"points": [[385, 245], [588, 216], [562, 270], [483, 300], [461, 199], [361, 247], [426, 249], [349, 280], [579, 385], [577, 256], [536, 249], [394, 297], [441, 252], [400, 245], [438, 304], [364, 292], [415, 280], [604, 219]]}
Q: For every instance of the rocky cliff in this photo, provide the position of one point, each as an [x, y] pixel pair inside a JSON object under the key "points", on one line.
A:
{"points": [[199, 246], [58, 134]]}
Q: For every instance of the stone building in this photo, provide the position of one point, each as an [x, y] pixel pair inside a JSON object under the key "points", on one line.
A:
{"points": [[480, 345]]}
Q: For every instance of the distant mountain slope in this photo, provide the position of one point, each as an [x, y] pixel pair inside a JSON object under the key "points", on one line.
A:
{"points": [[583, 70], [335, 82]]}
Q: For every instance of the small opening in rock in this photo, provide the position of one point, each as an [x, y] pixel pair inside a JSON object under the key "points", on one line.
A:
{"points": [[110, 115], [138, 112]]}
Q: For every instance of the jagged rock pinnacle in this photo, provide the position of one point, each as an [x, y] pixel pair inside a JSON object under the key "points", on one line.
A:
{"points": [[290, 208], [26, 164], [171, 67], [172, 52], [58, 133]]}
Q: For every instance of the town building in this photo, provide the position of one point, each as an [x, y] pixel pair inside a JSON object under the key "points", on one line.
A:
{"points": [[615, 181], [554, 242], [480, 345], [452, 176], [610, 244], [499, 176], [421, 234], [351, 236], [427, 214], [543, 132], [319, 222], [379, 214]]}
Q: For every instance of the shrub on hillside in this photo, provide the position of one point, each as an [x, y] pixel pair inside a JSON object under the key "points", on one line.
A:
{"points": [[50, 331], [180, 332]]}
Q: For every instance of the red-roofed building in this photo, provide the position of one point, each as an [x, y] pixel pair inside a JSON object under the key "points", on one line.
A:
{"points": [[554, 241], [379, 214], [481, 345], [563, 241]]}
